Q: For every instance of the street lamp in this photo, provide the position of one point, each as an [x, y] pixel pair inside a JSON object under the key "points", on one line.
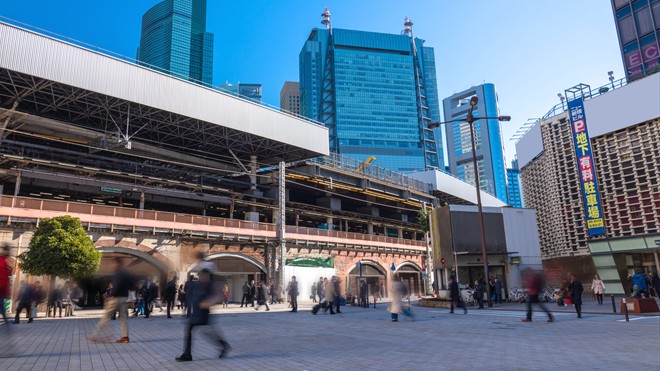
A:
{"points": [[611, 74], [470, 119], [562, 98]]}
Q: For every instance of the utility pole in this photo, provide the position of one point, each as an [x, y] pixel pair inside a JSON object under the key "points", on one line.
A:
{"points": [[281, 221]]}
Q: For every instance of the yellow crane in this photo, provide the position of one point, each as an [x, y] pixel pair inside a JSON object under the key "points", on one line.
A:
{"points": [[365, 163]]}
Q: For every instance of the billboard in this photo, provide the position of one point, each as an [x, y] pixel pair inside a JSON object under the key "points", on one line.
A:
{"points": [[586, 169]]}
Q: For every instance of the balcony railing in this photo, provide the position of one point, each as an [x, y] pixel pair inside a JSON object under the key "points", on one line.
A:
{"points": [[199, 221]]}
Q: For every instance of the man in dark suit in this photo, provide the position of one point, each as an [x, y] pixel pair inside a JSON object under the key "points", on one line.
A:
{"points": [[253, 293], [576, 294], [170, 294], [293, 292], [149, 294]]}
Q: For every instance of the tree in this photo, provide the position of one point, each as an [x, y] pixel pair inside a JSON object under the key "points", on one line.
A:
{"points": [[61, 247], [423, 217]]}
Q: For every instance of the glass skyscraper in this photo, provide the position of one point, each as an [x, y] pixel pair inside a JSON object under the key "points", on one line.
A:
{"points": [[376, 93], [488, 138], [513, 183], [174, 39]]}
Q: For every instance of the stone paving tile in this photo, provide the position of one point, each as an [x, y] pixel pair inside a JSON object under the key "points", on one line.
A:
{"points": [[357, 339]]}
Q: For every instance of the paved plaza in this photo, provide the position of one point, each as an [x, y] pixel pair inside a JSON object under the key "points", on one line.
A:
{"points": [[356, 339]]}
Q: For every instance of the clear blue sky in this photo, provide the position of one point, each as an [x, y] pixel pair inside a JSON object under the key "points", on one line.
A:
{"points": [[530, 50]]}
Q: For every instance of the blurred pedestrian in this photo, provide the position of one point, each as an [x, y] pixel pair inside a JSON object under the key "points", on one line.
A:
{"points": [[202, 296], [320, 289], [533, 283], [337, 289], [188, 288], [149, 293], [576, 295], [497, 289], [225, 295], [55, 301], [455, 295], [181, 297], [364, 293], [655, 281], [5, 290], [640, 284], [262, 296], [170, 294], [329, 297], [122, 282], [479, 292], [312, 294], [398, 293], [26, 297], [293, 293], [253, 293], [598, 288]]}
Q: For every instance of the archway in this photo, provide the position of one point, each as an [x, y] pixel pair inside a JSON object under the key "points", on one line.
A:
{"points": [[411, 275], [141, 264], [373, 273], [235, 269]]}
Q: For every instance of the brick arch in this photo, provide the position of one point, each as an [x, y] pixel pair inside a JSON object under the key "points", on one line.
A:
{"points": [[409, 263], [149, 254]]}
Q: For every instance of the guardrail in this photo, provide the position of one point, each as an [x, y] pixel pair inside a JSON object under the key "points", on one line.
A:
{"points": [[352, 165], [66, 207]]}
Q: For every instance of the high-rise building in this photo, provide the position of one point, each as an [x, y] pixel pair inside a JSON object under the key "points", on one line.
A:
{"points": [[375, 92], [638, 26], [174, 40], [246, 91], [290, 97], [513, 184], [488, 138], [600, 214]]}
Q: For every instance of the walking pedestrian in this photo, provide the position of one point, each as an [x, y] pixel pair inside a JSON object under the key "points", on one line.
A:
{"points": [[106, 295], [598, 288], [253, 293], [455, 295], [479, 292], [498, 290], [181, 297], [26, 296], [272, 291], [398, 293], [655, 281], [329, 297], [576, 295], [293, 293], [225, 295], [312, 294], [337, 290], [149, 292], [55, 301], [246, 294], [170, 294], [640, 284], [364, 292], [202, 296], [533, 283], [118, 301], [320, 289], [262, 296], [5, 291], [188, 290]]}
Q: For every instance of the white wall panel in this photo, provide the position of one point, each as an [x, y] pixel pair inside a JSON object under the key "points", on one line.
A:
{"points": [[30, 53]]}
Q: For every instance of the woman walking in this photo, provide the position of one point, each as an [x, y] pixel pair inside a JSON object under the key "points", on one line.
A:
{"points": [[598, 288], [262, 296]]}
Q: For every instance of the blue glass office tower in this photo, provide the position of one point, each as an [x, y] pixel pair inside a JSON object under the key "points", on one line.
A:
{"points": [[488, 138], [174, 39], [376, 93], [513, 182]]}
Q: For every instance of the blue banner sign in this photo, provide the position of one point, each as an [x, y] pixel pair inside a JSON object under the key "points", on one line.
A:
{"points": [[585, 165]]}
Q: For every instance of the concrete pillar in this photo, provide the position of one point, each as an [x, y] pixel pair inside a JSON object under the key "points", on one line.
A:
{"points": [[17, 187], [330, 223], [141, 200], [400, 232], [370, 228], [297, 219], [253, 214]]}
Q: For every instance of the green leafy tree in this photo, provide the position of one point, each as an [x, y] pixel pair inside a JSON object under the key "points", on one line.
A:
{"points": [[423, 217], [61, 247]]}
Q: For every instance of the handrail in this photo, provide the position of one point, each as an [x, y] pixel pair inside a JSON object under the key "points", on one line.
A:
{"points": [[166, 216], [562, 107], [108, 53]]}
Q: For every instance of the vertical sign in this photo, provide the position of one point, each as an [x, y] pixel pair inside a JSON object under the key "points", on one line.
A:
{"points": [[585, 165]]}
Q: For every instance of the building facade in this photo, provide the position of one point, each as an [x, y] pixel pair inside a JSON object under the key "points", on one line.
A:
{"points": [[638, 28], [488, 138], [624, 125], [290, 97], [515, 197], [376, 93], [251, 92], [174, 40]]}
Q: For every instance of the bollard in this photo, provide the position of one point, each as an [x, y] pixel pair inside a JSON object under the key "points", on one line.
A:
{"points": [[613, 305], [625, 309]]}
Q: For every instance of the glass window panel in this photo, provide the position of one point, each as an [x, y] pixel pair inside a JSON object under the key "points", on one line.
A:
{"points": [[627, 29], [620, 3], [656, 14], [644, 21]]}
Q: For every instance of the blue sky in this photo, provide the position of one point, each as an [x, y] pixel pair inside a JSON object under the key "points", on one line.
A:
{"points": [[530, 50]]}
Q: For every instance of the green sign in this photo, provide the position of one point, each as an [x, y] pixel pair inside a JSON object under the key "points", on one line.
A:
{"points": [[311, 262], [111, 190]]}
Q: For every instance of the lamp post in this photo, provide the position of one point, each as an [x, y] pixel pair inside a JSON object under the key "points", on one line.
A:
{"points": [[611, 77], [470, 119], [562, 98]]}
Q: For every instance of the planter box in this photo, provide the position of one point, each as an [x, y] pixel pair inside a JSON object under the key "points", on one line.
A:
{"points": [[644, 305]]}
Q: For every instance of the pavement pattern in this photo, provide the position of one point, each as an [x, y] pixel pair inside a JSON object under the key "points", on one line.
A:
{"points": [[356, 339]]}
